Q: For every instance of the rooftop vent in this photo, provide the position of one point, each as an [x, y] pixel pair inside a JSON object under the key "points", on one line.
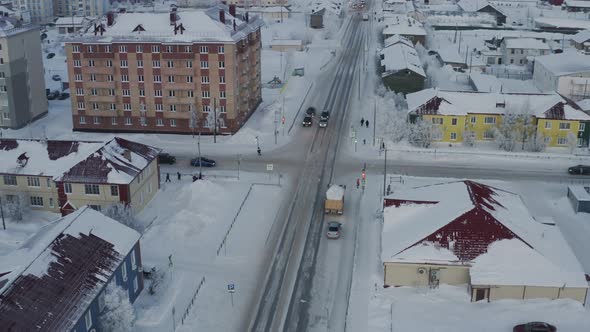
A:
{"points": [[22, 160]]}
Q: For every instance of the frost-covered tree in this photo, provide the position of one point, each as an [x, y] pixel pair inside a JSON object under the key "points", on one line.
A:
{"points": [[422, 133], [572, 142], [537, 143], [16, 207], [123, 214], [118, 314], [469, 138], [392, 117]]}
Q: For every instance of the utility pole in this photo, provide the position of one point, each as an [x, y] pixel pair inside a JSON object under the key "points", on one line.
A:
{"points": [[374, 119], [384, 172], [239, 157], [2, 214], [275, 130], [214, 120], [359, 83]]}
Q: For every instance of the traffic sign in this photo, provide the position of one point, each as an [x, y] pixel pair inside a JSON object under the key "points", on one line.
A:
{"points": [[269, 167], [231, 288]]}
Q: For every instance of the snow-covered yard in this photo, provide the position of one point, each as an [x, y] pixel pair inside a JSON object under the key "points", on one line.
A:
{"points": [[18, 231]]}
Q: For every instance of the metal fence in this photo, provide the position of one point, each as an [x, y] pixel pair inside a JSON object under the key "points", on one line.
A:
{"points": [[190, 304]]}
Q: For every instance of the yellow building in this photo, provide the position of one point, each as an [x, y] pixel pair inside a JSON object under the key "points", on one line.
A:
{"points": [[459, 115]]}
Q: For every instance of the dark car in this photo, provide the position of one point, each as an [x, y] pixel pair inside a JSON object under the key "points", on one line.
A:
{"points": [[166, 158], [56, 77], [579, 169], [307, 121], [52, 95], [63, 96], [534, 327], [205, 162], [310, 111], [50, 55], [325, 115]]}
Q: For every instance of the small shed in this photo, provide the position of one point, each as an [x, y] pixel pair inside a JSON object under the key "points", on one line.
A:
{"points": [[316, 19], [285, 45], [579, 196]]}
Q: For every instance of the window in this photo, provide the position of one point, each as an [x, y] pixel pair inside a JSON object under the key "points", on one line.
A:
{"points": [[143, 121], [139, 48], [582, 126], [10, 180], [511, 61], [113, 107], [453, 136], [172, 108], [33, 181], [79, 92], [51, 203], [190, 93], [76, 48], [222, 94], [77, 63], [562, 141], [188, 49], [110, 78], [124, 78], [111, 92], [159, 122], [91, 189], [68, 188], [204, 64], [157, 78], [91, 63], [220, 49], [36, 201], [126, 92], [158, 93], [127, 107], [171, 93], [155, 48], [95, 108], [78, 77], [206, 108], [453, 121], [109, 63], [82, 120], [132, 254], [171, 79], [114, 121], [169, 49], [189, 64], [222, 109], [205, 94], [488, 134], [222, 64], [203, 49], [140, 78], [512, 51], [205, 79], [90, 49], [564, 126], [189, 79], [172, 122], [141, 92], [159, 107], [437, 120], [222, 79], [123, 49], [521, 51], [135, 284], [521, 61], [547, 125], [93, 92], [88, 319], [92, 77], [124, 63], [170, 64], [489, 120]]}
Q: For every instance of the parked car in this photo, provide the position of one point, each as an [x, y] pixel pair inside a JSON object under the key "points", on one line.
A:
{"points": [[310, 111], [52, 95], [205, 162], [307, 121], [579, 169], [333, 230], [50, 55], [325, 115], [63, 96], [323, 123], [534, 327], [166, 158], [56, 77]]}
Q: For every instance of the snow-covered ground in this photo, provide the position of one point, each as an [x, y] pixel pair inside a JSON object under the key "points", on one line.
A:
{"points": [[18, 231]]}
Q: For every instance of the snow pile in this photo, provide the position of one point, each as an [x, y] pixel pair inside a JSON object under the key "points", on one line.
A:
{"points": [[427, 252], [335, 193]]}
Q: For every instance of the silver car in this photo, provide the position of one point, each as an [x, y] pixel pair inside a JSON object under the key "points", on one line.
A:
{"points": [[333, 230], [323, 123]]}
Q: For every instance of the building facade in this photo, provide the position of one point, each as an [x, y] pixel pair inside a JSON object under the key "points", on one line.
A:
{"points": [[516, 51], [22, 82], [37, 11], [567, 73], [94, 8], [167, 72]]}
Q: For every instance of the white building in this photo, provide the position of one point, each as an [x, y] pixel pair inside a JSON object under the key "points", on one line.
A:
{"points": [[567, 73], [38, 11], [516, 50], [80, 7]]}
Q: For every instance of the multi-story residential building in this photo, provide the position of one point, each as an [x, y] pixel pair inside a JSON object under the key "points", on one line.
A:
{"points": [[517, 51], [38, 11], [167, 72], [566, 73], [457, 114], [93, 8], [61, 176], [22, 85], [64, 273]]}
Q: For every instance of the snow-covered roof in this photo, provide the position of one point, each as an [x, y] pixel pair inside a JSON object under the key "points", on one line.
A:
{"points": [[194, 26], [45, 158], [117, 162], [491, 83], [400, 56], [466, 217], [525, 43], [582, 36], [577, 3], [69, 21], [49, 282], [395, 39], [584, 104], [286, 42], [270, 9], [475, 5], [462, 103], [565, 63], [561, 23], [403, 25], [580, 192], [335, 192]]}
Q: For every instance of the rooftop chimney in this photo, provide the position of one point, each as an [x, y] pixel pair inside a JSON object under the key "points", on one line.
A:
{"points": [[232, 10], [110, 18], [222, 16]]}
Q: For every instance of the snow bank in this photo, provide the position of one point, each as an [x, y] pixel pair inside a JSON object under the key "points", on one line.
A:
{"points": [[335, 193], [427, 252]]}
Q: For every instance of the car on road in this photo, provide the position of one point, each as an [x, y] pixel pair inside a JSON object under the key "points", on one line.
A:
{"points": [[166, 158], [325, 115], [333, 230], [307, 121], [310, 111], [202, 161], [323, 123], [63, 96], [56, 77], [534, 327], [579, 169], [50, 55], [52, 95]]}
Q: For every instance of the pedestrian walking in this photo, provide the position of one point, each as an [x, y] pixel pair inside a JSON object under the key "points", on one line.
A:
{"points": [[358, 183], [259, 151], [364, 141], [178, 174], [382, 145], [167, 177], [362, 122], [367, 123]]}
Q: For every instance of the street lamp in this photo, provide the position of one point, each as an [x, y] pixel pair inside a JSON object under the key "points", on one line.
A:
{"points": [[194, 124]]}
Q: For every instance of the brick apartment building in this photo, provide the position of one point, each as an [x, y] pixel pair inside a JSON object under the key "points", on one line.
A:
{"points": [[164, 72]]}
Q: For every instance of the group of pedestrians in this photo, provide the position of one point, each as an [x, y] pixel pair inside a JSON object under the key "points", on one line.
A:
{"points": [[364, 123], [179, 176]]}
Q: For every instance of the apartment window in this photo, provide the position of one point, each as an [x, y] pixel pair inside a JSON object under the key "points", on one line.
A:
{"points": [[564, 126], [203, 49], [68, 188], [170, 79], [88, 320], [82, 120], [78, 77], [454, 121], [188, 49], [512, 51], [222, 94], [113, 107], [79, 92], [108, 49], [521, 51], [123, 49], [111, 92], [169, 49], [437, 120], [91, 189], [124, 78], [221, 64], [205, 94], [10, 180], [33, 181], [139, 63], [488, 134], [172, 122], [76, 48], [114, 121], [90, 49], [135, 284], [171, 93], [139, 48], [96, 120], [124, 63], [511, 61], [547, 125], [582, 126], [205, 79], [143, 121], [170, 64], [95, 106], [190, 93], [77, 63], [158, 93], [109, 63], [93, 92], [221, 123], [126, 92], [157, 78], [189, 79], [489, 120], [110, 78], [206, 108], [220, 49], [127, 107], [141, 92], [36, 201], [159, 107], [81, 105], [222, 109], [140, 78], [93, 77], [189, 64], [453, 136], [159, 122], [91, 63], [562, 141], [521, 61], [132, 256], [155, 48], [204, 64], [222, 79], [172, 108]]}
